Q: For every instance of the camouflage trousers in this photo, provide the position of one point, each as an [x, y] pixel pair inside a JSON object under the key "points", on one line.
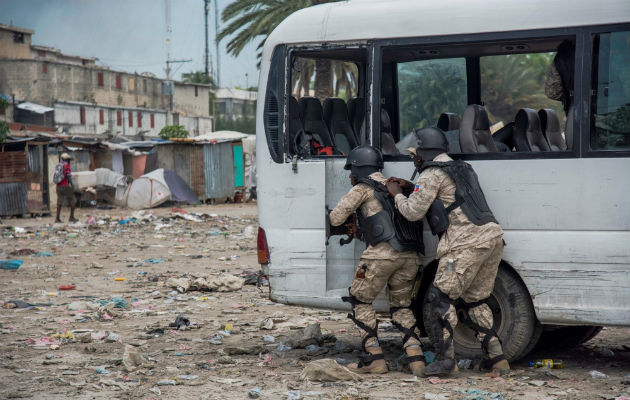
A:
{"points": [[471, 278], [370, 278]]}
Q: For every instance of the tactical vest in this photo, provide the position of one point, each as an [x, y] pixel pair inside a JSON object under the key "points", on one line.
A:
{"points": [[388, 224], [468, 196]]}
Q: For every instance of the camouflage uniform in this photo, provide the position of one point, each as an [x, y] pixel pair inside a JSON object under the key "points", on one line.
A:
{"points": [[553, 84], [475, 250], [380, 265]]}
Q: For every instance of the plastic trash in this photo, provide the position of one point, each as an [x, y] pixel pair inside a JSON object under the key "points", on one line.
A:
{"points": [[43, 254], [228, 329], [102, 370], [293, 395], [597, 375], [269, 339], [254, 393], [120, 279], [216, 339], [67, 287], [10, 264], [282, 347], [187, 377], [180, 322], [154, 260], [16, 304], [547, 362], [465, 363], [167, 382], [429, 357]]}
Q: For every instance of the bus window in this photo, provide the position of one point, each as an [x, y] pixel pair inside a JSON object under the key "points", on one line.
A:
{"points": [[487, 97], [610, 104], [327, 106], [426, 89], [513, 81]]}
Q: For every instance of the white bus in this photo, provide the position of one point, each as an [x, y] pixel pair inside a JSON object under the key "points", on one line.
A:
{"points": [[534, 94]]}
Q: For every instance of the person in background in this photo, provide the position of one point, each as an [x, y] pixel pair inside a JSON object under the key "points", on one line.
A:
{"points": [[65, 190]]}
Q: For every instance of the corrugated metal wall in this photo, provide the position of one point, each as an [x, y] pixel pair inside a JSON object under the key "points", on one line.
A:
{"points": [[219, 170], [13, 198]]}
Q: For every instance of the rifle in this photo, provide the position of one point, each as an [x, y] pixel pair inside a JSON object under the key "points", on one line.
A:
{"points": [[349, 228]]}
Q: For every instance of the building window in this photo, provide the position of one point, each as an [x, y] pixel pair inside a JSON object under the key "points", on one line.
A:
{"points": [[196, 91], [45, 68], [82, 113], [101, 117], [130, 119], [41, 53], [118, 118], [100, 79], [152, 121], [18, 37], [118, 82], [84, 62], [139, 120]]}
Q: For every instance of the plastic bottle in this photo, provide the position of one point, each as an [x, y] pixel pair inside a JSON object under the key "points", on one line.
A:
{"points": [[547, 362]]}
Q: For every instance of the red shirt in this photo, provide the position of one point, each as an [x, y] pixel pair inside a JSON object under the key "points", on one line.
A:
{"points": [[67, 173]]}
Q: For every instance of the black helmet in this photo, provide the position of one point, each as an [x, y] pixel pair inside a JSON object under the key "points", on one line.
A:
{"points": [[364, 156], [431, 142], [363, 161]]}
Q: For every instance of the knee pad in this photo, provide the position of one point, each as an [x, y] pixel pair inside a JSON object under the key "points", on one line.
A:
{"points": [[439, 300]]}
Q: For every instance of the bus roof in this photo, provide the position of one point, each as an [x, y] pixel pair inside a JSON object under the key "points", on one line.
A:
{"points": [[378, 19]]}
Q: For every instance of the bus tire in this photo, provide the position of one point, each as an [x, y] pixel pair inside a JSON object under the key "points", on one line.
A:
{"points": [[567, 336], [514, 320]]}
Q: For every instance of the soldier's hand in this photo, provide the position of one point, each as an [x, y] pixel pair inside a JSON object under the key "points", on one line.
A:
{"points": [[393, 188], [404, 184]]}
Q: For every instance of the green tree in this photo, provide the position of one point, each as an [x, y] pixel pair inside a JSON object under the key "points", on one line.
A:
{"points": [[4, 131], [173, 131], [248, 20]]}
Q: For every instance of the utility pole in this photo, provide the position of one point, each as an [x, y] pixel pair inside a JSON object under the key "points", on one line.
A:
{"points": [[216, 42], [206, 9]]}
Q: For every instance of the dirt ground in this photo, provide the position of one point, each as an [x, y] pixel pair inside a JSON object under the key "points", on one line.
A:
{"points": [[80, 344]]}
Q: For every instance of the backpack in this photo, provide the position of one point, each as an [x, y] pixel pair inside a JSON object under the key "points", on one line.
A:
{"points": [[58, 176]]}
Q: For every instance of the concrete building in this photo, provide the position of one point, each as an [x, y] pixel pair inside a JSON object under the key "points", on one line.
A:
{"points": [[93, 100], [234, 104]]}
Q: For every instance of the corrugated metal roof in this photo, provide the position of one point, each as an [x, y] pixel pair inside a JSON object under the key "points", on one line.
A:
{"points": [[36, 108]]}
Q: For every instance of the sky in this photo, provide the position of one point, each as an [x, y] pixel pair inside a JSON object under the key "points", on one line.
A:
{"points": [[130, 35]]}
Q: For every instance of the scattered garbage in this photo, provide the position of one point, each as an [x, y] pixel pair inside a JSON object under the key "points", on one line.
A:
{"points": [[548, 363], [22, 252], [43, 254], [16, 304], [102, 370], [254, 393], [477, 394], [67, 287], [154, 260], [216, 339], [429, 357], [10, 264], [328, 370], [269, 339], [597, 375], [167, 382], [221, 283], [180, 323], [465, 363]]}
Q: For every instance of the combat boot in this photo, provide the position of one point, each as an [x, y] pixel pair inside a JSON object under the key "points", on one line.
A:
{"points": [[497, 363], [373, 363], [416, 360], [446, 365]]}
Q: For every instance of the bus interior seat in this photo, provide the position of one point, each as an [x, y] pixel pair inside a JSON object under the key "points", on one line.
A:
{"points": [[453, 141], [504, 138], [336, 118], [527, 134], [550, 126], [295, 123], [356, 116], [449, 121], [474, 131], [313, 122], [388, 144], [568, 128]]}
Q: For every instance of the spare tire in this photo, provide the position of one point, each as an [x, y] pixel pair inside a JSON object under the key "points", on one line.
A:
{"points": [[514, 319]]}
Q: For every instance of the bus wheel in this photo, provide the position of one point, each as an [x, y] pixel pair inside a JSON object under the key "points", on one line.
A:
{"points": [[514, 320], [567, 336]]}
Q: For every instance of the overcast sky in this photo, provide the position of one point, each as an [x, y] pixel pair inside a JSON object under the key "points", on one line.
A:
{"points": [[130, 35]]}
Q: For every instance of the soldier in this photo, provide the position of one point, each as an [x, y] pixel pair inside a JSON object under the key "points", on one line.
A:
{"points": [[390, 259], [469, 250]]}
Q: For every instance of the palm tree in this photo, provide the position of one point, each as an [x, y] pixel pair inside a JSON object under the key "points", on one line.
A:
{"points": [[248, 20]]}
